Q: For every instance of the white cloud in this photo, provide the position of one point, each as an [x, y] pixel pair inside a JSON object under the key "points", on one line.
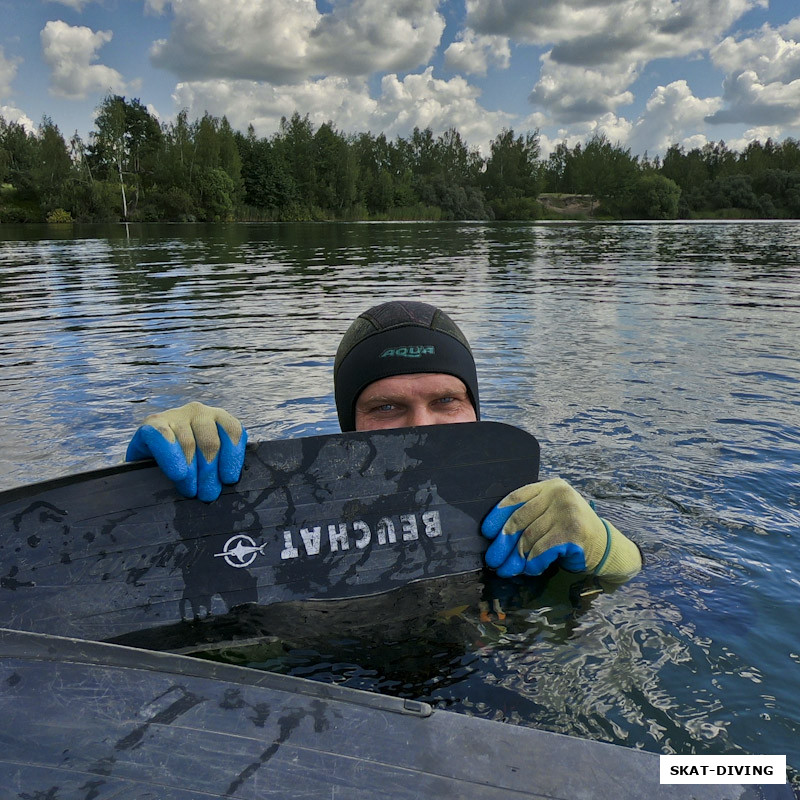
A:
{"points": [[633, 31], [417, 100], [155, 6], [14, 114], [69, 51], [791, 28], [749, 100], [8, 71], [345, 101], [695, 141], [547, 144], [598, 49], [616, 129], [472, 53], [541, 22], [670, 111], [420, 100], [568, 93], [760, 134], [596, 31], [77, 5], [288, 41], [774, 54], [762, 87]]}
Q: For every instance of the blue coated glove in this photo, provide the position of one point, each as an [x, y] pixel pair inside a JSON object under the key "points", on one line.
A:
{"points": [[548, 522], [197, 446]]}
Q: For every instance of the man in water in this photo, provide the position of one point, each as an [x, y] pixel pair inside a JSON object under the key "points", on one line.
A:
{"points": [[403, 364]]}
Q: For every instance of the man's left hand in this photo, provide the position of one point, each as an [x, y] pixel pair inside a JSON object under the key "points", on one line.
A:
{"points": [[547, 522]]}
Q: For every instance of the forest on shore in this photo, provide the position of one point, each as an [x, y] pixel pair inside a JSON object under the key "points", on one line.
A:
{"points": [[134, 168]]}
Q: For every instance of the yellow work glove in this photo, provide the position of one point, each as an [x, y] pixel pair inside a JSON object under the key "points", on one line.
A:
{"points": [[548, 522], [198, 447]]}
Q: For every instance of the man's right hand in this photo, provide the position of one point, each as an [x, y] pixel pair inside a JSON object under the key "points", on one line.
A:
{"points": [[198, 447]]}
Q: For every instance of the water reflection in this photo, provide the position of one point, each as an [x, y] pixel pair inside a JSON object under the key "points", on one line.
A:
{"points": [[657, 365]]}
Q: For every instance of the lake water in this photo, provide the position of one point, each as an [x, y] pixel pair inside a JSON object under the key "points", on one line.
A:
{"points": [[656, 363]]}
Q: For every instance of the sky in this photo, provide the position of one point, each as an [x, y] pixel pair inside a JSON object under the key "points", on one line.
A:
{"points": [[645, 73]]}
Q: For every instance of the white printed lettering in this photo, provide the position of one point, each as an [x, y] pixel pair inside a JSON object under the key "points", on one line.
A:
{"points": [[385, 530], [311, 539], [338, 538], [409, 525], [289, 550], [432, 523], [240, 550], [366, 535]]}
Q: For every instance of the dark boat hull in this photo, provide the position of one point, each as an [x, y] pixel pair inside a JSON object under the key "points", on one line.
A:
{"points": [[94, 720]]}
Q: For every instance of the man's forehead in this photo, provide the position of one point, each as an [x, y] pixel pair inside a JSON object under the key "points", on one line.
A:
{"points": [[415, 383]]}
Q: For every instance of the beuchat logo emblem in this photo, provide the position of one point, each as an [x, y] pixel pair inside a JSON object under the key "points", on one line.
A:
{"points": [[240, 551]]}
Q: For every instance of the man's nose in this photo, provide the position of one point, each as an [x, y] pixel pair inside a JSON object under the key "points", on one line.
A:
{"points": [[421, 415]]}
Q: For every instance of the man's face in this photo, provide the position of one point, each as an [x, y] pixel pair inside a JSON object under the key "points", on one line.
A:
{"points": [[418, 399]]}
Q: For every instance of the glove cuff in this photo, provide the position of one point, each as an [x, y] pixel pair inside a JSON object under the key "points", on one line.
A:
{"points": [[622, 558], [603, 560]]}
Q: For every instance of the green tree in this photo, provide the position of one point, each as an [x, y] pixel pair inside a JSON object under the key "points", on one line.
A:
{"points": [[789, 158], [458, 163], [215, 147], [608, 172], [655, 197], [18, 154], [180, 151], [792, 195], [443, 173], [689, 171], [107, 146], [19, 159], [558, 173], [423, 153], [719, 160], [215, 191], [757, 158], [335, 170], [143, 138], [125, 147], [513, 168], [207, 143], [229, 158], [733, 191], [375, 175], [53, 166], [402, 169], [135, 168], [294, 144], [266, 179]]}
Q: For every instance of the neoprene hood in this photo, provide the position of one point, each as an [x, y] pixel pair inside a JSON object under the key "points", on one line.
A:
{"points": [[399, 338]]}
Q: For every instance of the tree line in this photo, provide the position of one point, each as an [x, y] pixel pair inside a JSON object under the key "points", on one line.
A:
{"points": [[134, 168]]}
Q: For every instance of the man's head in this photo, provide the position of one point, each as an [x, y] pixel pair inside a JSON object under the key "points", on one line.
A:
{"points": [[404, 363]]}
